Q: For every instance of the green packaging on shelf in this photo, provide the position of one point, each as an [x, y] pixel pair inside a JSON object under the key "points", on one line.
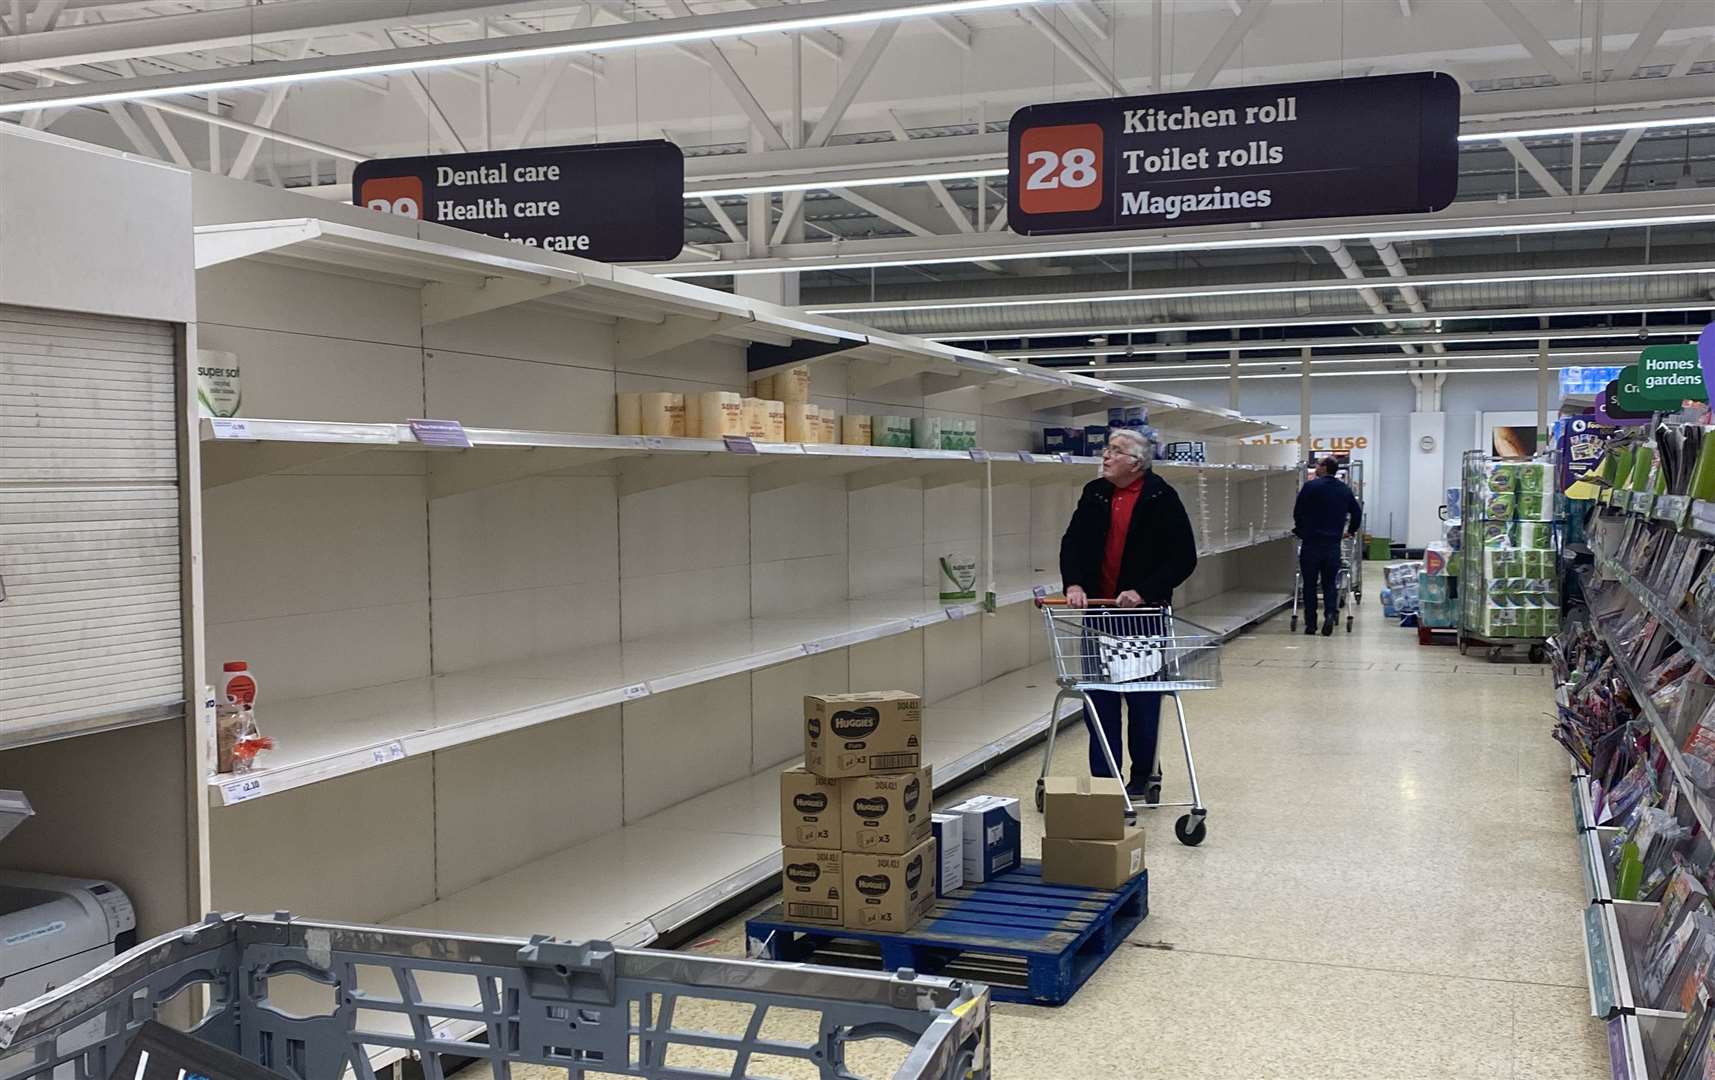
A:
{"points": [[1643, 460], [890, 431], [1550, 621], [1533, 478], [1431, 589], [1500, 505], [1497, 534], [1622, 471], [1538, 535], [1503, 477], [1703, 473], [926, 433]]}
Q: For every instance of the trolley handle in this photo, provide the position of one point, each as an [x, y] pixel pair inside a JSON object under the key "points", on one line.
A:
{"points": [[1060, 601]]}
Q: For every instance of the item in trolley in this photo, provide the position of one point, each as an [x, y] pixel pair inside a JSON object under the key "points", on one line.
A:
{"points": [[809, 810], [991, 836], [1083, 808], [949, 832], [878, 731], [886, 813], [889, 893], [812, 882], [157, 1052], [1093, 864]]}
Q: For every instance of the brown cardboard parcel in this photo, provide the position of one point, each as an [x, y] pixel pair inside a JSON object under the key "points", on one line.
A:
{"points": [[812, 881], [889, 814], [1083, 808], [1094, 864], [879, 731], [809, 810], [889, 893]]}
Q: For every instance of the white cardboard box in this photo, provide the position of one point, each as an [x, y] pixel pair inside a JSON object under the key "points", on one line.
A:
{"points": [[950, 843]]}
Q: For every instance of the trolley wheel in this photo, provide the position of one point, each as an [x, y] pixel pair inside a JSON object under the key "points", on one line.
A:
{"points": [[1190, 830], [1494, 653], [1357, 596], [1295, 623], [1538, 654], [1348, 624], [1463, 647], [1039, 795]]}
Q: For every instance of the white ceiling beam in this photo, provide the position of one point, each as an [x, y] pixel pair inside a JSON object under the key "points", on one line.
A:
{"points": [[916, 228], [942, 195], [203, 31], [1089, 65], [1623, 149], [1556, 65], [953, 30], [1648, 38], [418, 89], [1115, 354], [1090, 13], [724, 220], [133, 134], [1227, 45], [1534, 166], [826, 42], [1405, 8], [549, 78], [265, 115]]}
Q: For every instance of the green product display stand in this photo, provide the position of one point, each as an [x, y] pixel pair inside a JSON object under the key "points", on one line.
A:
{"points": [[1381, 549]]}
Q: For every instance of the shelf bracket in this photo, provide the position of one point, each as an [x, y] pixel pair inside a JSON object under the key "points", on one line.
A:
{"points": [[868, 377], [938, 383], [640, 341], [216, 244], [445, 301]]}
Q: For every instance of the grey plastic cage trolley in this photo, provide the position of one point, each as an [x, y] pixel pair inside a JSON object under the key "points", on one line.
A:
{"points": [[1129, 651], [586, 1007]]}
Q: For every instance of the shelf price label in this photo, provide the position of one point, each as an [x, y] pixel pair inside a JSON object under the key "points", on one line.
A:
{"points": [[739, 444], [1040, 592], [393, 751], [444, 434], [1702, 517], [1027, 457], [230, 429], [955, 613], [233, 792], [811, 648], [979, 455], [635, 691], [1671, 508]]}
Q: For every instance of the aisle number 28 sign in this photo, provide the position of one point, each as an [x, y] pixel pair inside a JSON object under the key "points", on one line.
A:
{"points": [[1062, 169]]}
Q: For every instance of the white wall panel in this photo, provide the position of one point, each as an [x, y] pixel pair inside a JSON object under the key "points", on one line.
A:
{"points": [[541, 531], [777, 704], [665, 603], [808, 586], [504, 801], [800, 520], [487, 391], [528, 332], [885, 571], [301, 376], [714, 365], [1006, 638], [889, 663], [358, 848], [493, 628], [684, 743], [689, 526], [267, 296], [296, 656], [952, 658]]}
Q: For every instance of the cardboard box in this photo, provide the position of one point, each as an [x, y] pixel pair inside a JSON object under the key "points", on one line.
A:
{"points": [[1083, 808], [889, 892], [1093, 864], [809, 810], [812, 881], [950, 850], [859, 734], [991, 836], [887, 814]]}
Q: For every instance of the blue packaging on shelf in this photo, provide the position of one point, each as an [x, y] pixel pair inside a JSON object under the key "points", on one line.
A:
{"points": [[1132, 416], [991, 836], [1095, 440], [1063, 441]]}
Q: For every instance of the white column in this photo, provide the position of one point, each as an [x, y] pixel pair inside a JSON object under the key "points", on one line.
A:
{"points": [[1428, 453]]}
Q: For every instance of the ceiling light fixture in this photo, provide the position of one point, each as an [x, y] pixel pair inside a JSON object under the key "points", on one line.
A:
{"points": [[1167, 246], [483, 51], [1343, 285], [1656, 335], [1522, 369]]}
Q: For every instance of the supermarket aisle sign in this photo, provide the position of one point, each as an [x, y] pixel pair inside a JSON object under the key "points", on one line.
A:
{"points": [[613, 202], [1663, 377], [1384, 144]]}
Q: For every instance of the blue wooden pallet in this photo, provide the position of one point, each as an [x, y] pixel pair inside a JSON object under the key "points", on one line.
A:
{"points": [[1029, 941]]}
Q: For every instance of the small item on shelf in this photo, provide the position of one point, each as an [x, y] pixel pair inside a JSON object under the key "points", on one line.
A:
{"points": [[237, 683], [776, 420], [721, 412], [800, 427], [763, 388], [855, 430], [829, 425], [756, 418], [219, 392], [663, 414], [1127, 416], [693, 417], [237, 738], [926, 433], [890, 431], [958, 577], [1096, 440], [792, 385]]}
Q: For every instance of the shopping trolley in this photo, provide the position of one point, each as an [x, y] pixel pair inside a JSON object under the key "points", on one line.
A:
{"points": [[1129, 651], [585, 1008], [1348, 585]]}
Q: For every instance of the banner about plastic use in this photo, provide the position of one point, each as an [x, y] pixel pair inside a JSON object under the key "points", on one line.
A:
{"points": [[1382, 144]]}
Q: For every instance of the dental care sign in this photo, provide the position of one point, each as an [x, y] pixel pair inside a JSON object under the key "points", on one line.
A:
{"points": [[1385, 144], [616, 202]]}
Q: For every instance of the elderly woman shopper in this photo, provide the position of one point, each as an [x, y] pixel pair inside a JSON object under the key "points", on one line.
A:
{"points": [[1129, 543]]}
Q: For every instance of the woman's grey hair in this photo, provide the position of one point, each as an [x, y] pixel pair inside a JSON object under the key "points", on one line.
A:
{"points": [[1133, 444]]}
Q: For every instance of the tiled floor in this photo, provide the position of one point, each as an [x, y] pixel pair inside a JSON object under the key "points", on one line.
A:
{"points": [[1388, 889]]}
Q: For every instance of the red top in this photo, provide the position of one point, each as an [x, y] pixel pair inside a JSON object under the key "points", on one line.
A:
{"points": [[1119, 523]]}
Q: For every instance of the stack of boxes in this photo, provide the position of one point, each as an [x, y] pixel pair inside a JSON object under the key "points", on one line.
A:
{"points": [[1513, 591], [1085, 840], [855, 819], [1437, 588]]}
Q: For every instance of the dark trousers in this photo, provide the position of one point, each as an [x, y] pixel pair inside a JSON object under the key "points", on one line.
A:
{"points": [[1319, 562], [1143, 729]]}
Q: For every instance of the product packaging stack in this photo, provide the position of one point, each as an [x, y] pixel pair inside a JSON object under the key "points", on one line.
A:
{"points": [[1086, 841], [989, 830], [1399, 593], [1513, 590], [856, 818], [1437, 588]]}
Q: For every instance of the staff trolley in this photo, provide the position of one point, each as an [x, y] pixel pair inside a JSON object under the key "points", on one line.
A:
{"points": [[585, 1007], [1103, 648], [1348, 585]]}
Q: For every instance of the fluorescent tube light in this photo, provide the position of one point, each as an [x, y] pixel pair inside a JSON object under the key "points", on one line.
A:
{"points": [[816, 185], [1588, 129], [1283, 240], [1345, 284], [462, 54], [1522, 369], [1258, 345]]}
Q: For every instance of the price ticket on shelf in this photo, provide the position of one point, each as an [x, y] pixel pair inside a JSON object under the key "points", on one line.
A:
{"points": [[979, 455], [1643, 502], [1671, 508], [230, 429], [739, 444], [1701, 517], [245, 788], [393, 751]]}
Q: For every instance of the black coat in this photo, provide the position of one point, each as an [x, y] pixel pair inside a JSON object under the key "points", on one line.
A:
{"points": [[1160, 549]]}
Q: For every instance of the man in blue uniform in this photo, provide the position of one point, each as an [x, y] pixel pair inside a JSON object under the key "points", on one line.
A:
{"points": [[1326, 510]]}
